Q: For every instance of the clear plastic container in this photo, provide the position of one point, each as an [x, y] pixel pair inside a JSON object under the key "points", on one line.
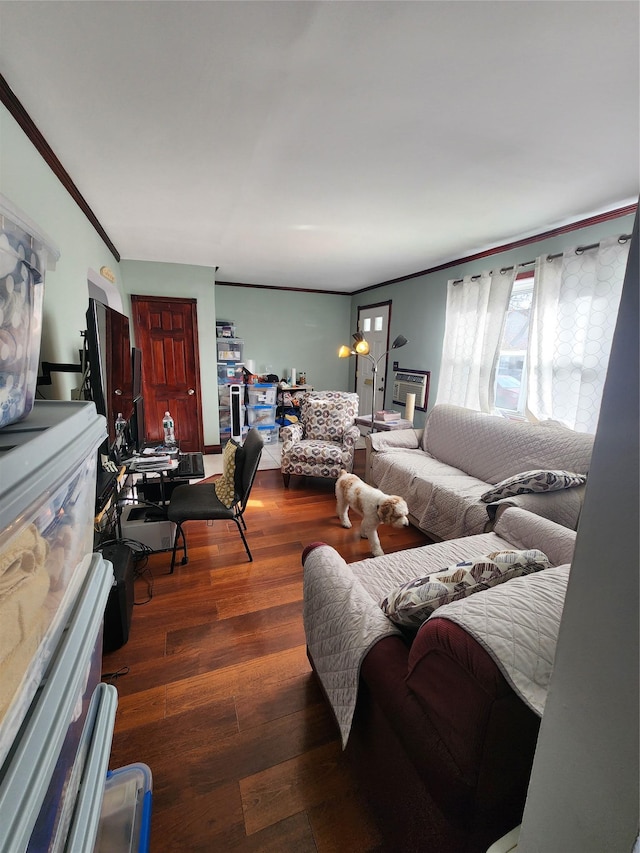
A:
{"points": [[125, 821], [261, 416], [25, 255], [262, 394], [47, 505]]}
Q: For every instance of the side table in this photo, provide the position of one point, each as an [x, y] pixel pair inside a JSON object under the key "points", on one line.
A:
{"points": [[383, 426]]}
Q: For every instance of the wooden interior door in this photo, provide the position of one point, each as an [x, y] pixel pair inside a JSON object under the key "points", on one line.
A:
{"points": [[166, 331]]}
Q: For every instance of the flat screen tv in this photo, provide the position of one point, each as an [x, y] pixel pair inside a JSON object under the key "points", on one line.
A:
{"points": [[110, 364]]}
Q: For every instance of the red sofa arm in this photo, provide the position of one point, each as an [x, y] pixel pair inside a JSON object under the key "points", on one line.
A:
{"points": [[469, 736]]}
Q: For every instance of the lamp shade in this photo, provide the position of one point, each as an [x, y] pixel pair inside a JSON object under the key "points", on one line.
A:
{"points": [[345, 352]]}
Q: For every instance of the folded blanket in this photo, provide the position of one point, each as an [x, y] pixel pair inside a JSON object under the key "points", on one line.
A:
{"points": [[517, 623], [24, 586], [14, 670]]}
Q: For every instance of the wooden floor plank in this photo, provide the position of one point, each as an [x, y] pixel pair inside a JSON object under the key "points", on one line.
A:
{"points": [[216, 692]]}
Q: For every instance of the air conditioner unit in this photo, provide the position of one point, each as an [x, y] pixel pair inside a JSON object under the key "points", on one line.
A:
{"points": [[412, 382]]}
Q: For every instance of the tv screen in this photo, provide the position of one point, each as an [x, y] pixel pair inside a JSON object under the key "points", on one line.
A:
{"points": [[110, 363]]}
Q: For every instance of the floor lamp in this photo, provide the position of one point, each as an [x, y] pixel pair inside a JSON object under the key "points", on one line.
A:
{"points": [[361, 347]]}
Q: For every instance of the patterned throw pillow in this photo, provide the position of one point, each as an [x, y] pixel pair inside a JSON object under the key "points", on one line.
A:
{"points": [[533, 481], [226, 484], [413, 602]]}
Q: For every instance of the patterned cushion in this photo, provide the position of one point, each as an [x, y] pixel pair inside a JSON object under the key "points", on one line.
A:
{"points": [[413, 602], [225, 485], [326, 415], [533, 481]]}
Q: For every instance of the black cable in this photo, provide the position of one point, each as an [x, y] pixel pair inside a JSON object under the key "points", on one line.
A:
{"points": [[110, 677]]}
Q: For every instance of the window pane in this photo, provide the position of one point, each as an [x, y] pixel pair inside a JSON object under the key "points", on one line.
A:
{"points": [[377, 324], [366, 324], [510, 388]]}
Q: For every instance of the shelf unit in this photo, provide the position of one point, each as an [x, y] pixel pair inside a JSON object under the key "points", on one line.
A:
{"points": [[230, 372]]}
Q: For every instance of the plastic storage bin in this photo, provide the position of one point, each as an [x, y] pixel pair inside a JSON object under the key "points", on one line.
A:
{"points": [[269, 434], [262, 394], [52, 781], [224, 394], [231, 373], [229, 349], [25, 255], [225, 419], [261, 416], [47, 503], [125, 822]]}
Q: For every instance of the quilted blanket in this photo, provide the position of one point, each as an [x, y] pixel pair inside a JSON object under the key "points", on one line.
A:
{"points": [[342, 615], [517, 623], [341, 622]]}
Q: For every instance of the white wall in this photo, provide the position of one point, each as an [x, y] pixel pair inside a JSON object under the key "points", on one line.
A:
{"points": [[583, 796]]}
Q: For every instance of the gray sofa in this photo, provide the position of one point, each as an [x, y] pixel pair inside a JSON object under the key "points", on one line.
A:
{"points": [[443, 470]]}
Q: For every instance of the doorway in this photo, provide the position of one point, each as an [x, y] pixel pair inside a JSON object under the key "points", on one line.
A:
{"points": [[166, 331], [373, 322]]}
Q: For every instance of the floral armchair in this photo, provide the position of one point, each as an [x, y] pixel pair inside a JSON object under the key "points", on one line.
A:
{"points": [[323, 442]]}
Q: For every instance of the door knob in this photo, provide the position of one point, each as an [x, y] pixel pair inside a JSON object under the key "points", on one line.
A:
{"points": [[190, 392]]}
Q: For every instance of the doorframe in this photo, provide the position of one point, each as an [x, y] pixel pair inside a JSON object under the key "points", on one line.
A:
{"points": [[370, 307], [196, 345]]}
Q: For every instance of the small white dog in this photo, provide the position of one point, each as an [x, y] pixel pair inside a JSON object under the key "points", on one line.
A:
{"points": [[373, 505]]}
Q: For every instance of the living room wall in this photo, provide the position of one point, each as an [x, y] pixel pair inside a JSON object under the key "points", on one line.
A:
{"points": [[419, 304], [284, 329], [29, 184]]}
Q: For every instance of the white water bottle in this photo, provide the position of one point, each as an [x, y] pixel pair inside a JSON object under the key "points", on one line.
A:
{"points": [[121, 425], [169, 430]]}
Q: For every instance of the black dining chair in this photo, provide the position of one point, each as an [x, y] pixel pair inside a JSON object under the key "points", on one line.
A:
{"points": [[201, 501]]}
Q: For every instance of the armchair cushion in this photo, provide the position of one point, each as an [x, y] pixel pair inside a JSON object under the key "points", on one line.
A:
{"points": [[323, 419]]}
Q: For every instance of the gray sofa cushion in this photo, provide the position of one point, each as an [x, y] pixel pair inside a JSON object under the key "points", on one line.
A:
{"points": [[492, 448]]}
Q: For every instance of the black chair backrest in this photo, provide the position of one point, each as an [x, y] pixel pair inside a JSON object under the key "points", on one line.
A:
{"points": [[250, 454]]}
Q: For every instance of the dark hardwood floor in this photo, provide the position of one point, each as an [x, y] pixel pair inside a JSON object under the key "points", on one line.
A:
{"points": [[216, 693]]}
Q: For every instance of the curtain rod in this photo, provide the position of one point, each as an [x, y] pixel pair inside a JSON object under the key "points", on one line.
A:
{"points": [[579, 250]]}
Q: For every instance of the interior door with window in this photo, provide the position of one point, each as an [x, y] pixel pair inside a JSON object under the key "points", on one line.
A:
{"points": [[167, 333], [373, 322]]}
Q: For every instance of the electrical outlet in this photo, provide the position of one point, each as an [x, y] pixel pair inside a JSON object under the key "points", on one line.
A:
{"points": [[395, 365]]}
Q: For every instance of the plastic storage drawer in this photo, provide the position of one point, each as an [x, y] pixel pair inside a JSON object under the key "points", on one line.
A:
{"points": [[25, 255], [262, 394], [125, 822], [224, 394], [261, 416], [51, 784], [47, 503], [232, 373], [229, 349]]}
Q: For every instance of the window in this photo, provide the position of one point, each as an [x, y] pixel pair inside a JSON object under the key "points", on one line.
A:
{"points": [[511, 365]]}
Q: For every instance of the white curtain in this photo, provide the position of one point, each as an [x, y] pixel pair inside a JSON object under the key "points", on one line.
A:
{"points": [[476, 309], [575, 306]]}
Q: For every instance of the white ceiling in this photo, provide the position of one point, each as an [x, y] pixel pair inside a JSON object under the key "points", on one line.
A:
{"points": [[331, 145]]}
